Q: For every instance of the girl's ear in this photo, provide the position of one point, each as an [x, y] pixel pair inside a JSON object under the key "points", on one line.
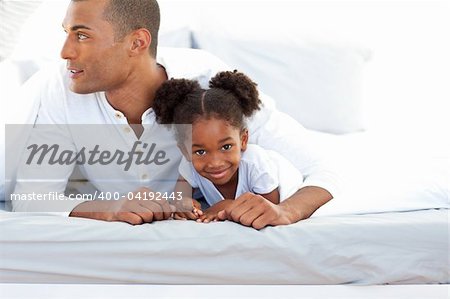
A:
{"points": [[184, 151], [244, 139]]}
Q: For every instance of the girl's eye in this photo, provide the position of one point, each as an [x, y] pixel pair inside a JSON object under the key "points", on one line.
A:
{"points": [[200, 152], [81, 36], [227, 147]]}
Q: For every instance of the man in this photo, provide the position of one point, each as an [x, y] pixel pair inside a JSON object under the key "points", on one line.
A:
{"points": [[113, 74]]}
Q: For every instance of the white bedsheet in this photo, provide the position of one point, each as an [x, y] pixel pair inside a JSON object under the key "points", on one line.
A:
{"points": [[71, 291], [390, 224], [395, 248]]}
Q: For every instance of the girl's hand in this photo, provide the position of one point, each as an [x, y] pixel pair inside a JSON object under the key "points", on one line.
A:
{"points": [[188, 209], [210, 214]]}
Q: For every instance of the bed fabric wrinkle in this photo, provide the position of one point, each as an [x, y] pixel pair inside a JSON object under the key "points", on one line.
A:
{"points": [[411, 248]]}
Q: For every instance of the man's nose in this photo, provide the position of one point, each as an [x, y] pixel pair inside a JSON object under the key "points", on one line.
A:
{"points": [[68, 50]]}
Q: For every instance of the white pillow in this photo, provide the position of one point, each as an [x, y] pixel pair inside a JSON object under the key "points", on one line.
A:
{"points": [[317, 83], [177, 37], [2, 164], [174, 30], [10, 80], [14, 108], [375, 177], [13, 15], [42, 36]]}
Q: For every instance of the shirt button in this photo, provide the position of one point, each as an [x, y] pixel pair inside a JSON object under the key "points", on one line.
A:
{"points": [[118, 115], [144, 177], [127, 130]]}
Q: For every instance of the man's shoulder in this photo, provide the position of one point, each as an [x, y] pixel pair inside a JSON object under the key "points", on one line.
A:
{"points": [[189, 63], [189, 56]]}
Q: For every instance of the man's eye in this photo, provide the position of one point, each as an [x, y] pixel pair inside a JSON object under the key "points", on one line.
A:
{"points": [[200, 152], [227, 147], [81, 36]]}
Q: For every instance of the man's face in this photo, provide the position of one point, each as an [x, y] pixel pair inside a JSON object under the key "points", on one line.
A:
{"points": [[95, 61]]}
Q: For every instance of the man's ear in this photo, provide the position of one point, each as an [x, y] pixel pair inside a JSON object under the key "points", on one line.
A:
{"points": [[140, 41], [187, 154], [244, 139]]}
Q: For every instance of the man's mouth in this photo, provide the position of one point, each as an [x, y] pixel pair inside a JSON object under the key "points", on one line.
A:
{"points": [[74, 73]]}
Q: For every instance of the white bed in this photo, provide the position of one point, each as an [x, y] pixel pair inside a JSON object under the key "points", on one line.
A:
{"points": [[386, 248], [57, 291], [390, 224]]}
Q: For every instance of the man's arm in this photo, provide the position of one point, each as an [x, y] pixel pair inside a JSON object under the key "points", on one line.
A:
{"points": [[40, 182], [131, 209], [277, 131], [30, 175], [304, 203]]}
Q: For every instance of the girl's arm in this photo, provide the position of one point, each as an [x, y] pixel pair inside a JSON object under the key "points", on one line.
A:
{"points": [[187, 208]]}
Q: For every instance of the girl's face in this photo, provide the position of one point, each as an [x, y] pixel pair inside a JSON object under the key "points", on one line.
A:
{"points": [[216, 149]]}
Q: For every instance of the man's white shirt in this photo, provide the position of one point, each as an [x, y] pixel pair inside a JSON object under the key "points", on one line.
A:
{"points": [[55, 104]]}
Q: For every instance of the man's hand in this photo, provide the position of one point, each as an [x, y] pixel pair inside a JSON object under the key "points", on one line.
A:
{"points": [[210, 214], [130, 209], [254, 210]]}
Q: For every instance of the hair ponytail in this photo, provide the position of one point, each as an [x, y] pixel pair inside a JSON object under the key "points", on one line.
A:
{"points": [[241, 86], [170, 95]]}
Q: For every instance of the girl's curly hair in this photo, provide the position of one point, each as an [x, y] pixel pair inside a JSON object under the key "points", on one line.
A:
{"points": [[232, 96]]}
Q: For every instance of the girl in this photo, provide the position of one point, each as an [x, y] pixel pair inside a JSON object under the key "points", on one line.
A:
{"points": [[217, 158]]}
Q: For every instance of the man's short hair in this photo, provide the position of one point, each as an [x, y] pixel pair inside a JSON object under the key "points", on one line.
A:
{"points": [[128, 15]]}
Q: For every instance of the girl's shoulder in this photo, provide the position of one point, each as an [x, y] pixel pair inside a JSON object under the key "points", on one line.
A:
{"points": [[255, 154]]}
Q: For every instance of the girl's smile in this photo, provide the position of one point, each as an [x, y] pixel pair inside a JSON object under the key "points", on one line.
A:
{"points": [[216, 149]]}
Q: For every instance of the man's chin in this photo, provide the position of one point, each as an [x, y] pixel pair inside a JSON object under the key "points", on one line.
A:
{"points": [[80, 89]]}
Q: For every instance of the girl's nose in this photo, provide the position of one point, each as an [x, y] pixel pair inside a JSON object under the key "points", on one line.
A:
{"points": [[215, 161]]}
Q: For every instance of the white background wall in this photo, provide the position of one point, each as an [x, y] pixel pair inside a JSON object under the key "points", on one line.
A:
{"points": [[406, 84]]}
